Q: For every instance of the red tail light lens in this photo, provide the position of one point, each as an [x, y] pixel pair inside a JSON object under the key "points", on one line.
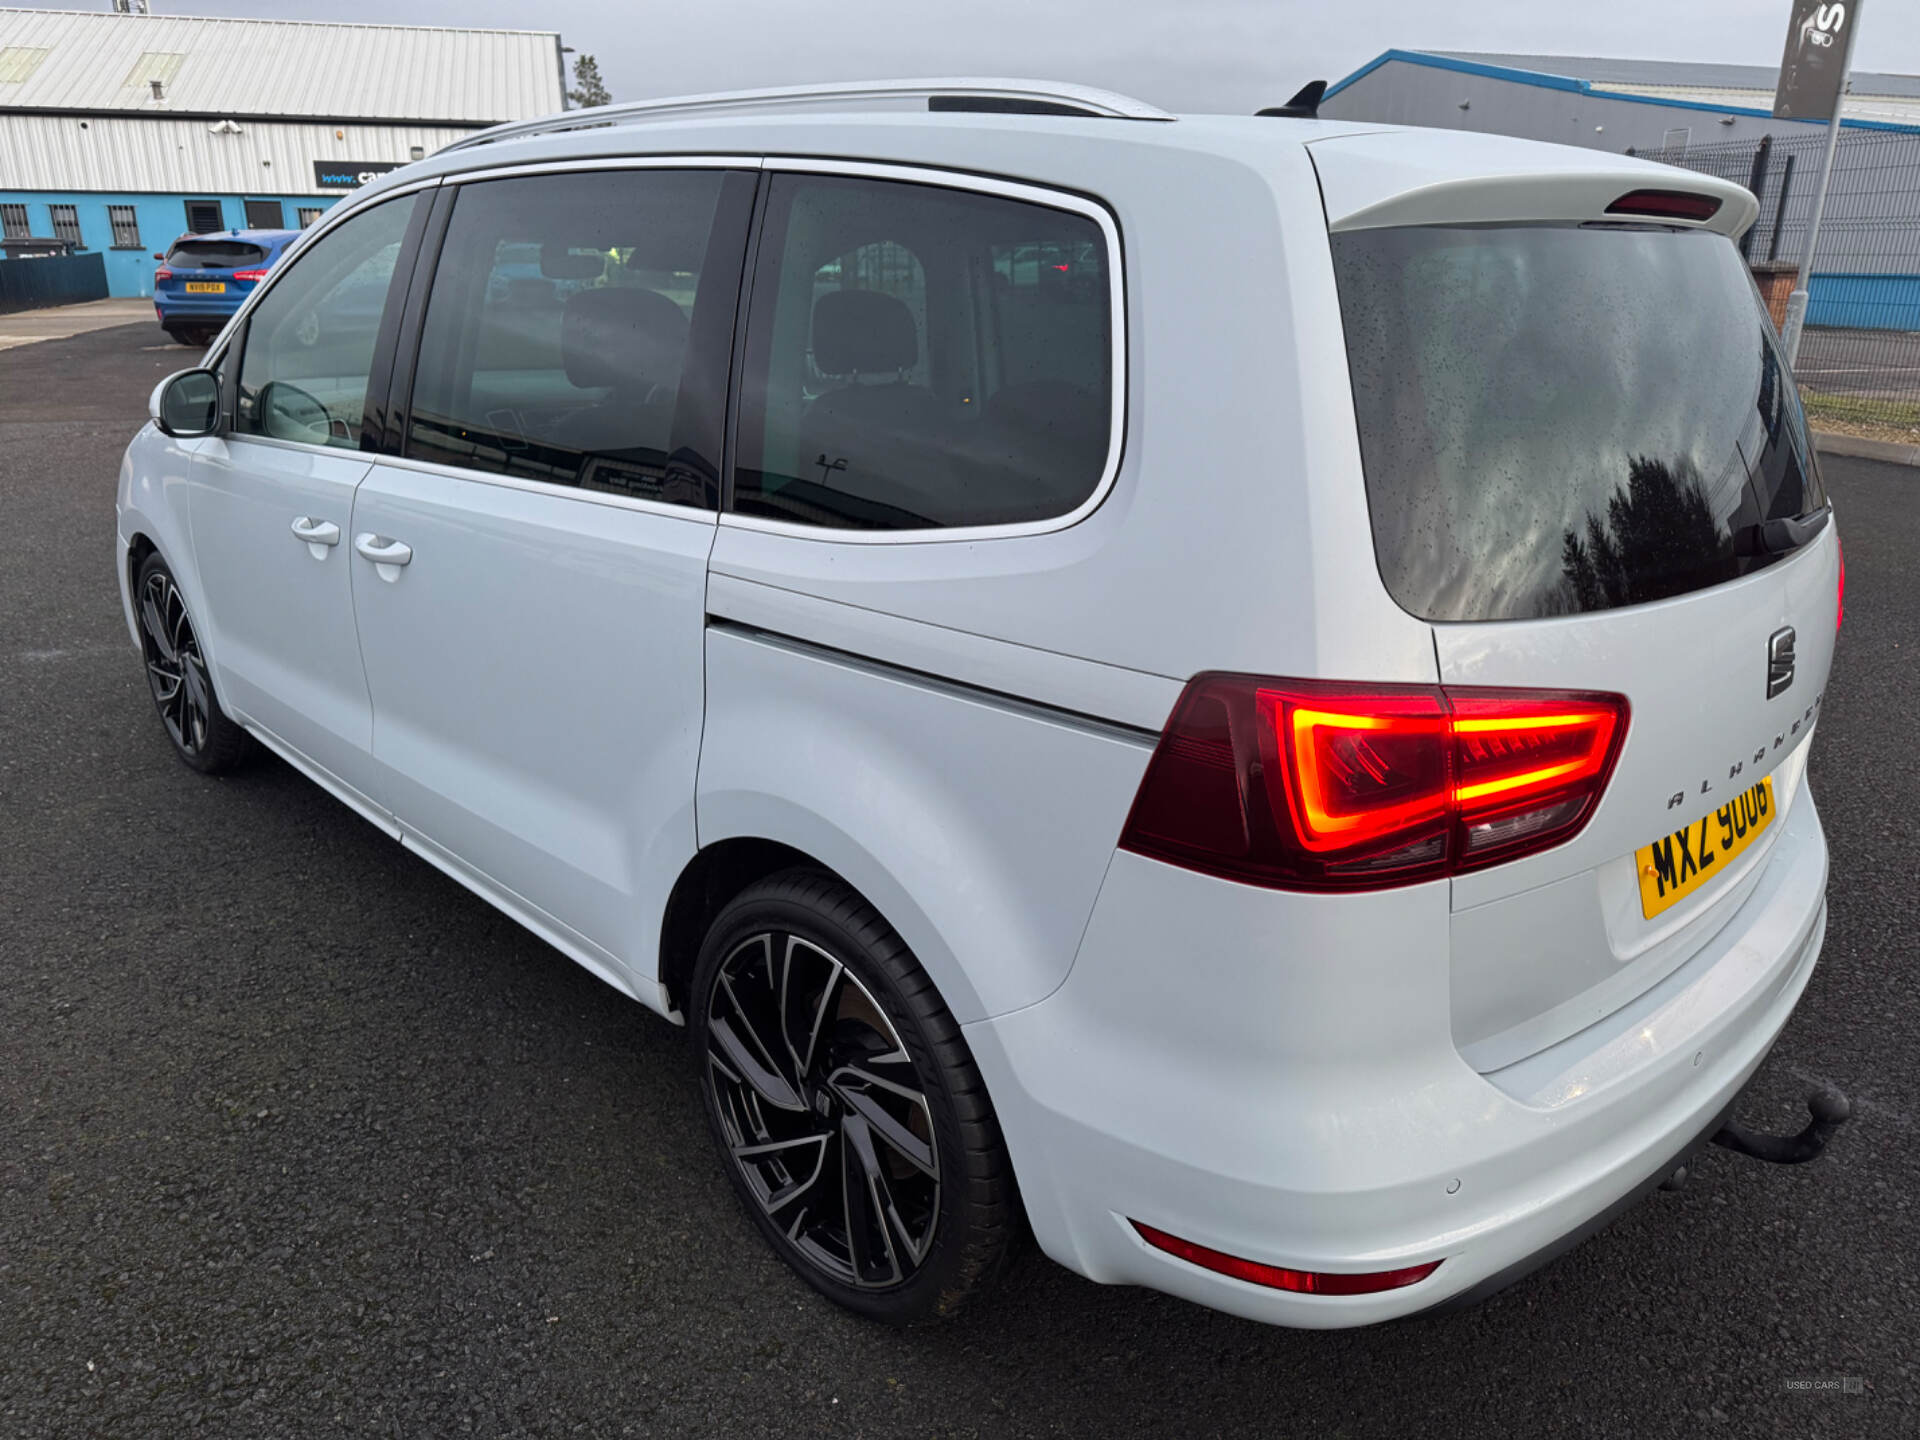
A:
{"points": [[249, 274], [162, 273], [1279, 1277], [1302, 785], [1840, 600], [1666, 205]]}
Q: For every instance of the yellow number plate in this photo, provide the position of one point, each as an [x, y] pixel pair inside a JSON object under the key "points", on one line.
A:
{"points": [[1687, 861], [206, 287]]}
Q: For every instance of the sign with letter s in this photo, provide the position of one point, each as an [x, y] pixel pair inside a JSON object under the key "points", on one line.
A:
{"points": [[1815, 60]]}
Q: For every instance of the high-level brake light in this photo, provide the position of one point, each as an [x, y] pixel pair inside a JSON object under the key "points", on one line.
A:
{"points": [[1305, 785], [1666, 205]]}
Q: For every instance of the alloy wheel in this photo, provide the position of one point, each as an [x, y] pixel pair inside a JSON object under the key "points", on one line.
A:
{"points": [[175, 668], [822, 1111]]}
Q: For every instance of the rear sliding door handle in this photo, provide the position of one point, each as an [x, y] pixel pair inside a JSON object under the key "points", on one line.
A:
{"points": [[387, 555], [381, 550], [320, 535]]}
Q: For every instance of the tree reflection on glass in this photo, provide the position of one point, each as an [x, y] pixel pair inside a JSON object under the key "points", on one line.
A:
{"points": [[1658, 538]]}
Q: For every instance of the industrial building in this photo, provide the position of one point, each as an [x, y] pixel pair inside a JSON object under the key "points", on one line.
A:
{"points": [[1648, 106], [1710, 117], [120, 132]]}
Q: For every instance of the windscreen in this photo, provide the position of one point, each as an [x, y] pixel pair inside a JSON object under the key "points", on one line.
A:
{"points": [[1565, 418], [215, 255]]}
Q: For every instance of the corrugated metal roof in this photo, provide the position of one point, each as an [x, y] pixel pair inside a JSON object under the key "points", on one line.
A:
{"points": [[101, 61], [1662, 75]]}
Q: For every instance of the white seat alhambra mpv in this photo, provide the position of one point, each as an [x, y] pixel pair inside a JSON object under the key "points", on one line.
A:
{"points": [[1235, 691]]}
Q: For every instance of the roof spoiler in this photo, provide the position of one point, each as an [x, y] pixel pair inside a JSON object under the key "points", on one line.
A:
{"points": [[1303, 106]]}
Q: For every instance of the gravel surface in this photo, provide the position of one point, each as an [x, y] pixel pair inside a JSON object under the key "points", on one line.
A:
{"points": [[297, 1138]]}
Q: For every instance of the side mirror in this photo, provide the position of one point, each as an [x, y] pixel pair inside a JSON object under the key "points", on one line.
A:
{"points": [[186, 405]]}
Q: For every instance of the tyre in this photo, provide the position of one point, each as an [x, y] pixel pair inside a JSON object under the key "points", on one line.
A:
{"points": [[177, 675], [849, 1112]]}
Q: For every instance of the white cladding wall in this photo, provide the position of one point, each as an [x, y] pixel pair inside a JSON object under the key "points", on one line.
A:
{"points": [[151, 154], [96, 60]]}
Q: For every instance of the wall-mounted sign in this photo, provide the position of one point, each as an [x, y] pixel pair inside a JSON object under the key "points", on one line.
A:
{"points": [[1815, 64], [350, 174]]}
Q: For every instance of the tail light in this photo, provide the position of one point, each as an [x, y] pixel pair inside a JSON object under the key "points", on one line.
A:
{"points": [[1840, 599], [1304, 785], [162, 273], [249, 274], [1666, 205], [1279, 1277]]}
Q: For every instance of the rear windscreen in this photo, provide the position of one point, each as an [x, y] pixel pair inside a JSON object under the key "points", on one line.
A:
{"points": [[214, 255], [1564, 418]]}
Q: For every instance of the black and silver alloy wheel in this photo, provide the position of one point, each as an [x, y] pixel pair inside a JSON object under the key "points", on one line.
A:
{"points": [[852, 1118], [821, 1110], [175, 669], [177, 674]]}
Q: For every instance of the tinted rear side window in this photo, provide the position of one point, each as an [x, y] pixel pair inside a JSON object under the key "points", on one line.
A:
{"points": [[922, 357], [214, 255], [1558, 419]]}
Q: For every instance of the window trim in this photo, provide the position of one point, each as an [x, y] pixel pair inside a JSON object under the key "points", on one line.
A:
{"points": [[1050, 197]]}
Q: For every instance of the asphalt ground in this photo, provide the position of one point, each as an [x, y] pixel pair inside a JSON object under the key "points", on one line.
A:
{"points": [[297, 1138]]}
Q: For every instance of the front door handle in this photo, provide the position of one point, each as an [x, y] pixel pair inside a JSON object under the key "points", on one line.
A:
{"points": [[319, 534]]}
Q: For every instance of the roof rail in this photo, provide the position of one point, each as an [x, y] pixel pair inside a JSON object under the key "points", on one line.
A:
{"points": [[1022, 96]]}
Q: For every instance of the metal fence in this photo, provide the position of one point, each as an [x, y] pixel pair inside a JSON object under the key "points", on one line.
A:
{"points": [[51, 280], [1859, 362]]}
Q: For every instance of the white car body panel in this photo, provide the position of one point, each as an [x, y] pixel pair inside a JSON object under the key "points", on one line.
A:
{"points": [[287, 658], [564, 700], [921, 796], [551, 748]]}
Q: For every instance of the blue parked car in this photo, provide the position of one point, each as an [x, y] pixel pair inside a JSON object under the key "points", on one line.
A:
{"points": [[203, 278]]}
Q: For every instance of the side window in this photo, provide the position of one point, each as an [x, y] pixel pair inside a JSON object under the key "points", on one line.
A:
{"points": [[557, 330], [922, 357], [310, 340]]}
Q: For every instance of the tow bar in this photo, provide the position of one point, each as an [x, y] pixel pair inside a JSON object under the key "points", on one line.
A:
{"points": [[1830, 1110]]}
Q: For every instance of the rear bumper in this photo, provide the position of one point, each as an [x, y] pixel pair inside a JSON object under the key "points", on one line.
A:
{"points": [[174, 311], [1273, 1076]]}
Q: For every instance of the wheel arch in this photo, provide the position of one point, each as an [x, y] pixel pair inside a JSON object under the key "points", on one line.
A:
{"points": [[706, 884]]}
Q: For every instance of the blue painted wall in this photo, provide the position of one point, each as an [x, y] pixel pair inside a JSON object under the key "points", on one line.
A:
{"points": [[1864, 302], [162, 220]]}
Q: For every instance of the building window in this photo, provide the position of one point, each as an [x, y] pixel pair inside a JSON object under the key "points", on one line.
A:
{"points": [[66, 224], [264, 215], [13, 222], [126, 228], [308, 214], [203, 217]]}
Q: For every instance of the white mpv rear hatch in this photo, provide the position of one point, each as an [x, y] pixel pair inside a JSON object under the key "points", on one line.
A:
{"points": [[1587, 466]]}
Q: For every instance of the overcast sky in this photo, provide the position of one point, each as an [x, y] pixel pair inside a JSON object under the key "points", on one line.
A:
{"points": [[1234, 55]]}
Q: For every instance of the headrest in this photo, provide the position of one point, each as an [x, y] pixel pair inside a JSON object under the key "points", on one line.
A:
{"points": [[622, 337], [865, 331]]}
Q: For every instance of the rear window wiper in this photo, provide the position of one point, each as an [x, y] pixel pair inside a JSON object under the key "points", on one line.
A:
{"points": [[1780, 537]]}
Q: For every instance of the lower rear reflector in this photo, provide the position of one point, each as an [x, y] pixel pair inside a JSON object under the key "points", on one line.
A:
{"points": [[1278, 1277]]}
